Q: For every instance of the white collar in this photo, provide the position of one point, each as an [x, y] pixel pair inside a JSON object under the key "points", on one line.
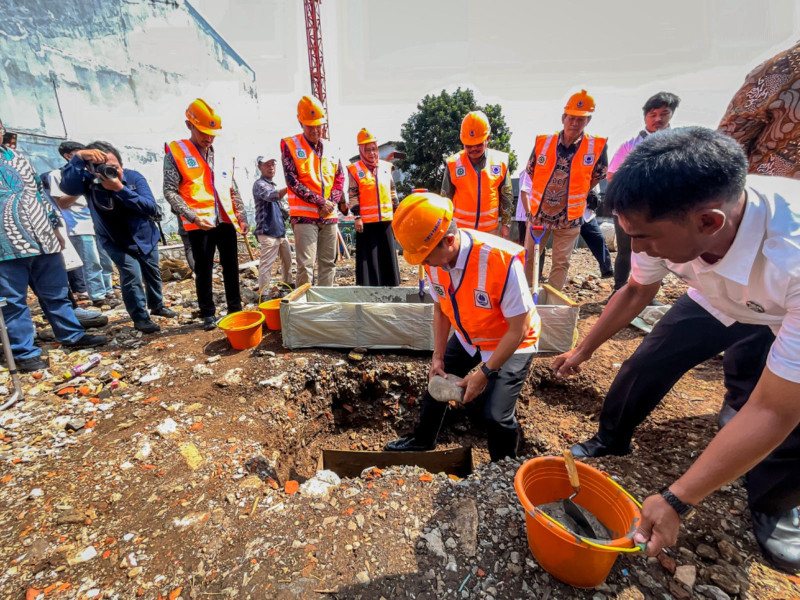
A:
{"points": [[738, 260]]}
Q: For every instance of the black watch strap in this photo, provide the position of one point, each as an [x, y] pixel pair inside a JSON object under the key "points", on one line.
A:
{"points": [[685, 511], [490, 373]]}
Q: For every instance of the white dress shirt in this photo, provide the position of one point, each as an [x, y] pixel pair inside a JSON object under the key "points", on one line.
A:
{"points": [[758, 279]]}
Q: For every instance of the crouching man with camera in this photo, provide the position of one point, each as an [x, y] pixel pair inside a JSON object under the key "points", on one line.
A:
{"points": [[125, 216]]}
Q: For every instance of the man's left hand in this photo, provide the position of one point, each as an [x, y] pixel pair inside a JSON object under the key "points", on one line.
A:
{"points": [[659, 525], [474, 383], [112, 185], [505, 232], [244, 226]]}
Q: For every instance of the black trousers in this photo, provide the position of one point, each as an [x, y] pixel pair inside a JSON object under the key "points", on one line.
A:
{"points": [[204, 243], [622, 263], [187, 245], [686, 336], [593, 236], [498, 400]]}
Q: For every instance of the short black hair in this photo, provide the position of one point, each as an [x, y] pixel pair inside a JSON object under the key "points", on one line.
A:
{"points": [[105, 147], [675, 170], [66, 147], [660, 100]]}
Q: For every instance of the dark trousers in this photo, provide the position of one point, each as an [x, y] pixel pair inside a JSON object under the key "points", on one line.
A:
{"points": [[522, 228], [498, 400], [139, 278], [76, 281], [593, 236], [204, 243], [622, 263], [686, 336]]}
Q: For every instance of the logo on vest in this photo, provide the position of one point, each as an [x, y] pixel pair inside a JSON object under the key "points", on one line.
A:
{"points": [[361, 174], [461, 171], [482, 299], [191, 162], [541, 159], [439, 289], [301, 153], [588, 160], [495, 169], [755, 307]]}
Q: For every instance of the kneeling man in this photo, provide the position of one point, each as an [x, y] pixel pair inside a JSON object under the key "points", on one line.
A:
{"points": [[478, 283]]}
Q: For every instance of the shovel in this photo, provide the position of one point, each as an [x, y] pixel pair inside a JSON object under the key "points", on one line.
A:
{"points": [[572, 509], [536, 241], [419, 297]]}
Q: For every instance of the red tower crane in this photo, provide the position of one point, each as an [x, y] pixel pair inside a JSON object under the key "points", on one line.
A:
{"points": [[316, 61]]}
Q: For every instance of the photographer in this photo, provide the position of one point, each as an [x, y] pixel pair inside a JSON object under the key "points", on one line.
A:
{"points": [[125, 214]]}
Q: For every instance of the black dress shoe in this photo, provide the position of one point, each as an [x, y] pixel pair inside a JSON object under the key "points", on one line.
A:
{"points": [[209, 323], [408, 444], [726, 413], [146, 326], [779, 538], [595, 448], [26, 365], [163, 311], [87, 341], [607, 275]]}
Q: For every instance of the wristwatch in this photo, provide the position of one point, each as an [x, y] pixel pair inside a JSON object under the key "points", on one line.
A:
{"points": [[685, 511], [489, 373]]}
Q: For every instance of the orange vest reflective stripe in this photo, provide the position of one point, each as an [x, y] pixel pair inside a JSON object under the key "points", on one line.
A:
{"points": [[476, 201], [315, 172], [199, 187], [474, 306], [374, 197], [580, 171]]}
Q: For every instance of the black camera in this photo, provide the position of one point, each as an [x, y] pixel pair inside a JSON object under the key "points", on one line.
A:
{"points": [[106, 171]]}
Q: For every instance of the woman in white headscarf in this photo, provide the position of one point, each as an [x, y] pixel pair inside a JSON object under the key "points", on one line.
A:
{"points": [[373, 200]]}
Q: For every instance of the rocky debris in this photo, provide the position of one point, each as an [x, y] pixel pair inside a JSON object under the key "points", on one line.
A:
{"points": [[712, 591], [729, 553], [707, 552]]}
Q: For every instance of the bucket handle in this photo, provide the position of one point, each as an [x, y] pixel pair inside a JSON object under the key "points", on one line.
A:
{"points": [[604, 547], [261, 293]]}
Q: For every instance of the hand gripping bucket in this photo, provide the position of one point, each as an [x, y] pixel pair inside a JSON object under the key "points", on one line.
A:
{"points": [[243, 328], [574, 560]]}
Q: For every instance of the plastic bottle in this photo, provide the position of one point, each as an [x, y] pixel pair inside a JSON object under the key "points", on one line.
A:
{"points": [[93, 361]]}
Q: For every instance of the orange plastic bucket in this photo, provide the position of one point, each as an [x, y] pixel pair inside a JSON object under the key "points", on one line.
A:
{"points": [[543, 480], [243, 328], [272, 313]]}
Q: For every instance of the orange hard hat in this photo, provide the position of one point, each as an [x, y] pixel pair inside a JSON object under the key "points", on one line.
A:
{"points": [[475, 128], [202, 116], [365, 137], [420, 223], [580, 105], [310, 111]]}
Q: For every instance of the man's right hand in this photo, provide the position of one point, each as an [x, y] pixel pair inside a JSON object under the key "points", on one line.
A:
{"points": [[437, 368], [327, 208], [204, 224], [568, 364], [92, 156]]}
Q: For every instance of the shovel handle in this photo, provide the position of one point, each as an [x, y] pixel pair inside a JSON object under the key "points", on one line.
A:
{"points": [[572, 470]]}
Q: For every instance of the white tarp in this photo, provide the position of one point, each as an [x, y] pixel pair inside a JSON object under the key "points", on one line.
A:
{"points": [[382, 318]]}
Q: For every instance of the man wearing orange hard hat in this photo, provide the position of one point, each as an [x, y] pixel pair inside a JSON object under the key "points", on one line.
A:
{"points": [[477, 282], [315, 184], [563, 168], [373, 200], [204, 195], [476, 180]]}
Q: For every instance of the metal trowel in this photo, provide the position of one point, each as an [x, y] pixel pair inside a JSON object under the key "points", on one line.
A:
{"points": [[572, 509]]}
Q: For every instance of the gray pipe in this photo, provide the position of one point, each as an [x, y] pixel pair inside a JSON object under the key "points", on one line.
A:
{"points": [[12, 367]]}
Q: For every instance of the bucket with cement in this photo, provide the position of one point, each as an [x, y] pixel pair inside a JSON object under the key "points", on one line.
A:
{"points": [[575, 560]]}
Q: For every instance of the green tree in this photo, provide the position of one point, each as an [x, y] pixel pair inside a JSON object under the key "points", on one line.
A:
{"points": [[431, 134]]}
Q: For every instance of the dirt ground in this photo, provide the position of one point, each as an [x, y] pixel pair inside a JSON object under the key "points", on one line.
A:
{"points": [[171, 471]]}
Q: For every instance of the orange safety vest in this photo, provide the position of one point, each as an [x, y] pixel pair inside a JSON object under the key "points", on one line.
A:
{"points": [[313, 171], [202, 189], [476, 201], [374, 194], [580, 171], [474, 306]]}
